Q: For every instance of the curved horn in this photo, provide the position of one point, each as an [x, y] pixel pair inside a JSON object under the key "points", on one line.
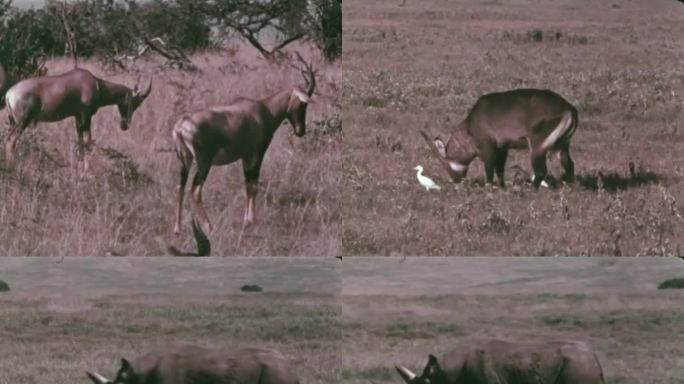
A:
{"points": [[97, 378], [304, 98], [308, 73], [311, 84], [405, 373], [147, 90]]}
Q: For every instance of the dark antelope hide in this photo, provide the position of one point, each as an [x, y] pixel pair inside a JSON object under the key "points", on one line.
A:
{"points": [[539, 120]]}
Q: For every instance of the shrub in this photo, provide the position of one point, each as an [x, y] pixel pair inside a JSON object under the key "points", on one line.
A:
{"points": [[676, 283]]}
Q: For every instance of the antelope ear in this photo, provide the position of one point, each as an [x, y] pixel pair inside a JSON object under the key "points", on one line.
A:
{"points": [[302, 96]]}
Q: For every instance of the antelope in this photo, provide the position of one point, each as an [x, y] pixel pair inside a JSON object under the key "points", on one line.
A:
{"points": [[540, 120], [77, 93], [496, 361], [240, 131]]}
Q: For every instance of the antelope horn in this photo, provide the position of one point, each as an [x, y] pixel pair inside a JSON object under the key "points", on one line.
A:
{"points": [[405, 373], [304, 98], [308, 73], [311, 84], [97, 378], [147, 90]]}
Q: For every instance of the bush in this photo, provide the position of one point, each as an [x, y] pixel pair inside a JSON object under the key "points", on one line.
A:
{"points": [[4, 287], [676, 283], [110, 27]]}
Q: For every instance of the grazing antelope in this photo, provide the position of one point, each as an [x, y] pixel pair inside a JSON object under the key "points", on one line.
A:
{"points": [[539, 120], [240, 131], [76, 93]]}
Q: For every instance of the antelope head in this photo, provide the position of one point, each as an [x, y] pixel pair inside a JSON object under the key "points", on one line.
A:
{"points": [[131, 102], [125, 375], [300, 99]]}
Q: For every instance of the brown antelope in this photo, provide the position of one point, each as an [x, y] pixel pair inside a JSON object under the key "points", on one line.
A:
{"points": [[539, 120], [240, 131], [76, 93]]}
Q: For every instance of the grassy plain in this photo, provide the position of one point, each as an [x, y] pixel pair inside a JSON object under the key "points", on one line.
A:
{"points": [[126, 205], [398, 311], [59, 320], [411, 65]]}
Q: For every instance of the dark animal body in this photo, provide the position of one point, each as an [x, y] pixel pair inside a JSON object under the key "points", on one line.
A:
{"points": [[243, 131], [493, 361], [190, 364], [540, 120], [4, 85], [77, 93]]}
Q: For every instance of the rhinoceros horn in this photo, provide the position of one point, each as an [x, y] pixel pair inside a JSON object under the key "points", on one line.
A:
{"points": [[405, 373], [97, 378]]}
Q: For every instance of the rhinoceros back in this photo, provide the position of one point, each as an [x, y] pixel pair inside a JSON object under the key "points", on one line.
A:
{"points": [[189, 364]]}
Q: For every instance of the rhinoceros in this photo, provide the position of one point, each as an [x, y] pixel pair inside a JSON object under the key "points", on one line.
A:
{"points": [[493, 361], [190, 364]]}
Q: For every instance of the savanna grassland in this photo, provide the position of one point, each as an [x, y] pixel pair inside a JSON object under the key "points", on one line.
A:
{"points": [[125, 205], [411, 65], [108, 309], [398, 312]]}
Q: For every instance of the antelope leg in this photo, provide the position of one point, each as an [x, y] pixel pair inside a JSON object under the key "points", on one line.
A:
{"points": [[251, 170], [567, 164], [197, 183], [539, 166], [251, 195], [181, 194]]}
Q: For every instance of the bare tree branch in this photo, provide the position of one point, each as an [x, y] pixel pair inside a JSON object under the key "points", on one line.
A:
{"points": [[70, 37]]}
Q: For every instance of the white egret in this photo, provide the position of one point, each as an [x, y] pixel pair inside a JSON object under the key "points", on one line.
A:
{"points": [[424, 180]]}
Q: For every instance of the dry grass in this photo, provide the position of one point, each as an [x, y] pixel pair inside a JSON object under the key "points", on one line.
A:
{"points": [[108, 308], [633, 329], [422, 65], [126, 206]]}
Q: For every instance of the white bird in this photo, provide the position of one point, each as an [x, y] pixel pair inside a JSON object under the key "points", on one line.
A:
{"points": [[424, 180]]}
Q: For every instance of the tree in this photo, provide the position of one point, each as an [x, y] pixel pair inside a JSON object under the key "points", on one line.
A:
{"points": [[281, 21], [327, 27]]}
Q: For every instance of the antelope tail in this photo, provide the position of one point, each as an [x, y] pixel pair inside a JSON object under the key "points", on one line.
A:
{"points": [[184, 151], [201, 239]]}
